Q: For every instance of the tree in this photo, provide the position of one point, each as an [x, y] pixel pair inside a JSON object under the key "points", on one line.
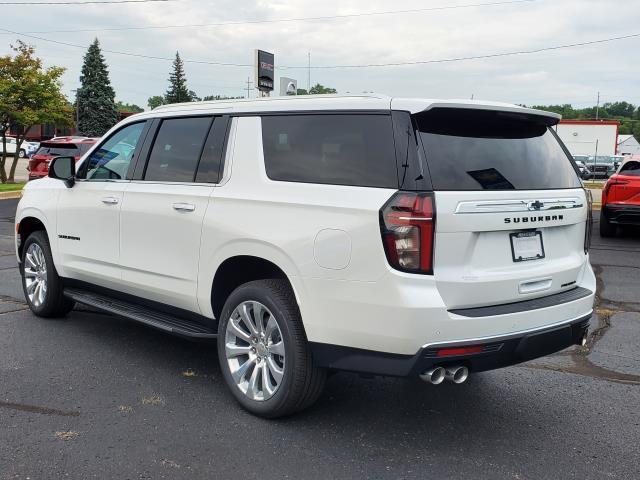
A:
{"points": [[155, 101], [318, 89], [95, 99], [178, 91], [29, 95], [302, 91], [128, 107]]}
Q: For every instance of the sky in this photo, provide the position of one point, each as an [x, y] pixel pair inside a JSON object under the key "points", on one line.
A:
{"points": [[572, 75]]}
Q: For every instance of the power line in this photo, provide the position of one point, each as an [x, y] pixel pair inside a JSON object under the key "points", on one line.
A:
{"points": [[87, 2], [473, 57], [283, 20], [367, 65]]}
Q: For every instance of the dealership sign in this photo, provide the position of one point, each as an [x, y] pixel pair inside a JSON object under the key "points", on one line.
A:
{"points": [[264, 71]]}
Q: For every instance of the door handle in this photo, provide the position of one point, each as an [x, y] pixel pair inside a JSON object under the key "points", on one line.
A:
{"points": [[184, 207], [109, 200]]}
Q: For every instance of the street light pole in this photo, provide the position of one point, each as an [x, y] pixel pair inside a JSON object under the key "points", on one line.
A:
{"points": [[77, 110]]}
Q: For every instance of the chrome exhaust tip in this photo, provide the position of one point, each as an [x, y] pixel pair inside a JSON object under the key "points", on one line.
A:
{"points": [[458, 374], [434, 376], [584, 339]]}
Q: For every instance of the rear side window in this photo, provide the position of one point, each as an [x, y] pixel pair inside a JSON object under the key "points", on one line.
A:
{"points": [[210, 167], [58, 150], [349, 149], [631, 168], [176, 150], [484, 150]]}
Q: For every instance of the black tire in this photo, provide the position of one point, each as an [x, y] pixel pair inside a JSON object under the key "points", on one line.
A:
{"points": [[302, 382], [54, 304], [22, 154], [607, 229]]}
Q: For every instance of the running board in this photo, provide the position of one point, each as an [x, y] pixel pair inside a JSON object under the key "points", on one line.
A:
{"points": [[138, 313]]}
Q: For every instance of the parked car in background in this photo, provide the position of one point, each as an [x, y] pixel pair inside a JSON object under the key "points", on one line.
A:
{"points": [[12, 145], [60, 146], [31, 147], [580, 163], [600, 167], [621, 199]]}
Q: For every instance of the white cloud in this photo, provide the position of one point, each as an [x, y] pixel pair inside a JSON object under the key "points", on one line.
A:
{"points": [[567, 76]]}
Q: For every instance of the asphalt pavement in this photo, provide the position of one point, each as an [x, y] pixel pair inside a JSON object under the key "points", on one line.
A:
{"points": [[95, 396]]}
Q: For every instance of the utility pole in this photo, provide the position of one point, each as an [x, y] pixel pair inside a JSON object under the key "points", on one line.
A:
{"points": [[77, 109], [248, 89], [309, 72], [598, 107]]}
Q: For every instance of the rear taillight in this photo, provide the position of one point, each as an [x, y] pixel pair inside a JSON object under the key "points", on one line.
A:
{"points": [[589, 225], [610, 183], [407, 224]]}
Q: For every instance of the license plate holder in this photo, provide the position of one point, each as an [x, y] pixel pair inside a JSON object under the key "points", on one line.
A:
{"points": [[527, 245]]}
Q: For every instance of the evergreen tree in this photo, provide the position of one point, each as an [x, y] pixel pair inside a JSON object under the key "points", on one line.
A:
{"points": [[96, 105], [178, 91]]}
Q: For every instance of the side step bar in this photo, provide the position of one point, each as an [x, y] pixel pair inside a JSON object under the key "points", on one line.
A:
{"points": [[138, 313]]}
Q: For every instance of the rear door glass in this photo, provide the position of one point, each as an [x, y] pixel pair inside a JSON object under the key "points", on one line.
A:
{"points": [[487, 150], [336, 149], [177, 148]]}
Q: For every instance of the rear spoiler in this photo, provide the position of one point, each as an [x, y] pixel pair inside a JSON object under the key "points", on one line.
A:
{"points": [[417, 105]]}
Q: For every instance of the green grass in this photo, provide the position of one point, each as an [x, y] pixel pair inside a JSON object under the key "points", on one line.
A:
{"points": [[11, 187], [599, 185]]}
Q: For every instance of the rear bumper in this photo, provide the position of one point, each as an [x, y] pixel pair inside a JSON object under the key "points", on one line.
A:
{"points": [[622, 214], [497, 352]]}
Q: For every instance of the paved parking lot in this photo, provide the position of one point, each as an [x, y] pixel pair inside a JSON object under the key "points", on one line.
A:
{"points": [[93, 396]]}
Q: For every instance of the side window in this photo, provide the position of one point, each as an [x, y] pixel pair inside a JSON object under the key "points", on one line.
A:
{"points": [[176, 150], [210, 167], [340, 149], [111, 160]]}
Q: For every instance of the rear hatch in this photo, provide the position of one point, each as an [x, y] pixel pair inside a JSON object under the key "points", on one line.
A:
{"points": [[511, 211]]}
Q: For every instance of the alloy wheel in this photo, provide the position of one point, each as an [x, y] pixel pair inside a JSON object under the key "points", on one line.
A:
{"points": [[35, 275], [254, 350]]}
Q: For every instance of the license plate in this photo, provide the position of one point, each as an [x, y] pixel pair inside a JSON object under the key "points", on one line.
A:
{"points": [[526, 246]]}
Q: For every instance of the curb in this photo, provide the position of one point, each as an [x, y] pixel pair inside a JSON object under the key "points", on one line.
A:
{"points": [[10, 195]]}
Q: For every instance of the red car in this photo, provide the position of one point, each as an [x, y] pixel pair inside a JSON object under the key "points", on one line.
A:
{"points": [[57, 147], [621, 199]]}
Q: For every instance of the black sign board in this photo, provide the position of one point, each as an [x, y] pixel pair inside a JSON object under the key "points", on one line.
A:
{"points": [[264, 71]]}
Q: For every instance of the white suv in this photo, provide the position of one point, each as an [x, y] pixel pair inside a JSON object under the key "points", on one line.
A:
{"points": [[384, 236]]}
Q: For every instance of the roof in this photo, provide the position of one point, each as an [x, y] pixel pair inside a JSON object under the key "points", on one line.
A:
{"points": [[74, 140], [336, 102], [625, 138]]}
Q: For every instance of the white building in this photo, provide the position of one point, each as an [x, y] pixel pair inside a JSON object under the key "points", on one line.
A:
{"points": [[628, 145], [586, 137]]}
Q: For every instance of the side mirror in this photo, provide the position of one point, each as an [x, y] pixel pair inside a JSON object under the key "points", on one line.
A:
{"points": [[63, 168]]}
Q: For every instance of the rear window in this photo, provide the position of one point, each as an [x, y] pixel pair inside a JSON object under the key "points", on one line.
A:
{"points": [[58, 150], [337, 149], [483, 150], [631, 168]]}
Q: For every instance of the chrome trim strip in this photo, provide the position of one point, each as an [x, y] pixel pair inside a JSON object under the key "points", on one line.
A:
{"points": [[509, 336], [502, 206]]}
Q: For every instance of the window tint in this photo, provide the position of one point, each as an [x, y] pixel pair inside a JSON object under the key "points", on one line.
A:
{"points": [[332, 149], [210, 167], [58, 150], [481, 150], [111, 160], [631, 168], [176, 150]]}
